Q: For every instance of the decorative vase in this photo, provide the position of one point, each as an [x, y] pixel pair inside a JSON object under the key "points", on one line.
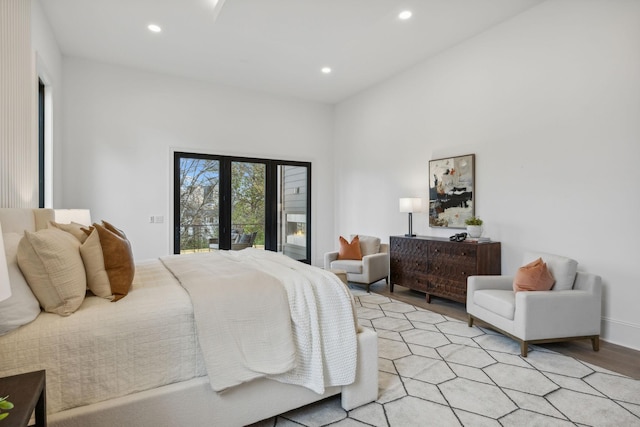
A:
{"points": [[474, 231]]}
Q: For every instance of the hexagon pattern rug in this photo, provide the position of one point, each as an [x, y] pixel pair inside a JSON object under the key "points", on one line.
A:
{"points": [[437, 371]]}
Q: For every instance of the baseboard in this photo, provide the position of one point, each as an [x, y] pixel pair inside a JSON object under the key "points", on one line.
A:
{"points": [[622, 333]]}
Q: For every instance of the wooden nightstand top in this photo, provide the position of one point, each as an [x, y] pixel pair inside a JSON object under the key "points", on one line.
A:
{"points": [[27, 393]]}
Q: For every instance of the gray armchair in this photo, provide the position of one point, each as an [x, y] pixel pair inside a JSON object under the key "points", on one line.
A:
{"points": [[570, 310], [373, 267]]}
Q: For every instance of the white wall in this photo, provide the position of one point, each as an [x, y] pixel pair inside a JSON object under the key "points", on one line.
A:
{"points": [[550, 104], [121, 125]]}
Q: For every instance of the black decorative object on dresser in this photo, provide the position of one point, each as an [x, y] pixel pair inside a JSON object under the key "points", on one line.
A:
{"points": [[440, 267]]}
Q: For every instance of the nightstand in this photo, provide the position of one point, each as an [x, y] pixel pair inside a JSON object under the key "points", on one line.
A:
{"points": [[27, 392]]}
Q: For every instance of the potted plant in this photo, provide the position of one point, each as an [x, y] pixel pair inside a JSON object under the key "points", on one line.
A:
{"points": [[474, 226], [5, 405]]}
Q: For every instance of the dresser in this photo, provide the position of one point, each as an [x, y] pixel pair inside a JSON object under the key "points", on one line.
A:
{"points": [[440, 267]]}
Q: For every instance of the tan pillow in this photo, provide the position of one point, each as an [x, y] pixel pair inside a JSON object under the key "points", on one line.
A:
{"points": [[73, 228], [118, 259], [350, 250], [93, 258], [534, 276], [369, 245], [50, 261]]}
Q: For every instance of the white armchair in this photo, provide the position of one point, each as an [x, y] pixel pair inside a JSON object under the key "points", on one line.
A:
{"points": [[570, 310], [373, 267]]}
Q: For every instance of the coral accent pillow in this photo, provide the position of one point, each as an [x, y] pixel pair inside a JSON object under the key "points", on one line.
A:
{"points": [[350, 250], [50, 261], [534, 276], [118, 258]]}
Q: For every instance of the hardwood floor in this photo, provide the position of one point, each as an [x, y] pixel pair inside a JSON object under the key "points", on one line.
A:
{"points": [[611, 356]]}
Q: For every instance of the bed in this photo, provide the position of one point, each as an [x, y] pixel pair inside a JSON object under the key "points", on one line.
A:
{"points": [[148, 359]]}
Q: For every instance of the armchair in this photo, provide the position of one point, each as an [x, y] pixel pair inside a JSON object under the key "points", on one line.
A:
{"points": [[570, 310], [373, 266]]}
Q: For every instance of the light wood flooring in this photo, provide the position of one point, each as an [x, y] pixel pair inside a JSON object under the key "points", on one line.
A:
{"points": [[611, 356]]}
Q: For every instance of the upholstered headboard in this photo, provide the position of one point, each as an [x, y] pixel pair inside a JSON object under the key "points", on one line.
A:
{"points": [[16, 220]]}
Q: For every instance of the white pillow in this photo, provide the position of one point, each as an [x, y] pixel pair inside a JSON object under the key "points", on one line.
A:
{"points": [[369, 245], [562, 269], [50, 261], [22, 307]]}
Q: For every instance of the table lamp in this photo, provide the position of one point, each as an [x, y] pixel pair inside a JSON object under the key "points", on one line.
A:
{"points": [[410, 205]]}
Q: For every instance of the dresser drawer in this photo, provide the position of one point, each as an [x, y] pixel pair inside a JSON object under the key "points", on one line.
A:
{"points": [[452, 270], [452, 250], [450, 289]]}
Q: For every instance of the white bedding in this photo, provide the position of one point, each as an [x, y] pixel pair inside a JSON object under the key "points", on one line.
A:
{"points": [[106, 349], [148, 339]]}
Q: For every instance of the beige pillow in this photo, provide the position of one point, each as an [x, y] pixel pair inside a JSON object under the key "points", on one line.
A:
{"points": [[369, 245], [50, 261], [73, 228], [93, 258]]}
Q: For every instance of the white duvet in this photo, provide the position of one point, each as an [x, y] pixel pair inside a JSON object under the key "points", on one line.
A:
{"points": [[148, 339]]}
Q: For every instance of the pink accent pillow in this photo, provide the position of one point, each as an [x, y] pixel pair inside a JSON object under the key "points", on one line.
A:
{"points": [[534, 276]]}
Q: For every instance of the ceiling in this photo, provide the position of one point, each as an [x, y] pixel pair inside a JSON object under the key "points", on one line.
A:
{"points": [[274, 46]]}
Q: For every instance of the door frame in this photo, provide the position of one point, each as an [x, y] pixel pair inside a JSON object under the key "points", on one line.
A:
{"points": [[224, 218]]}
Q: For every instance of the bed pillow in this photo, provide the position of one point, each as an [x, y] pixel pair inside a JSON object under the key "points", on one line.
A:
{"points": [[50, 261], [118, 259], [534, 276], [93, 259], [73, 228], [350, 250], [21, 307]]}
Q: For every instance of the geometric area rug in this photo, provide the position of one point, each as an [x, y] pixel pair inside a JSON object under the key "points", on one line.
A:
{"points": [[436, 371]]}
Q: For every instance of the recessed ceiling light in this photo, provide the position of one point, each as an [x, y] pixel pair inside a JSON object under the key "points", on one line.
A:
{"points": [[405, 14], [154, 28], [326, 70]]}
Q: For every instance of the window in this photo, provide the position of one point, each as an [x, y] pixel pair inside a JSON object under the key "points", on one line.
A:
{"points": [[223, 202], [41, 145]]}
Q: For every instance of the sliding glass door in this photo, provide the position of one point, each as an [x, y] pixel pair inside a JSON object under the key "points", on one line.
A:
{"points": [[198, 190], [247, 204], [293, 211], [223, 202]]}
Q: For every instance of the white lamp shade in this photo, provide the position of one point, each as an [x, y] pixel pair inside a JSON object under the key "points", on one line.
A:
{"points": [[410, 204], [5, 286]]}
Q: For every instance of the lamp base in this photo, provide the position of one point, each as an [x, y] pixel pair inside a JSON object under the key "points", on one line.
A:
{"points": [[409, 235]]}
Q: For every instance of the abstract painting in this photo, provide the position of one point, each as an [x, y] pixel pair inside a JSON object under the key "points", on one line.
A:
{"points": [[451, 191]]}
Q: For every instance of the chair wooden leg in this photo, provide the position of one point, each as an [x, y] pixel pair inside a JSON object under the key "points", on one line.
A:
{"points": [[524, 348], [470, 323], [595, 343]]}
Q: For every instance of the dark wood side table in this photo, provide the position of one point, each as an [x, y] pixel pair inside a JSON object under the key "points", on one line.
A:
{"points": [[28, 393]]}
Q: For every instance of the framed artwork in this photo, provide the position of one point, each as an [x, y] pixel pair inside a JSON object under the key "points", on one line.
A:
{"points": [[451, 191]]}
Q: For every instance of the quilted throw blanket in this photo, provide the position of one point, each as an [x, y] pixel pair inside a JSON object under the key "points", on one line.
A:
{"points": [[259, 314]]}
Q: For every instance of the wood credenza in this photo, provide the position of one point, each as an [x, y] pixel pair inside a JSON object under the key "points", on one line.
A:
{"points": [[440, 267]]}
